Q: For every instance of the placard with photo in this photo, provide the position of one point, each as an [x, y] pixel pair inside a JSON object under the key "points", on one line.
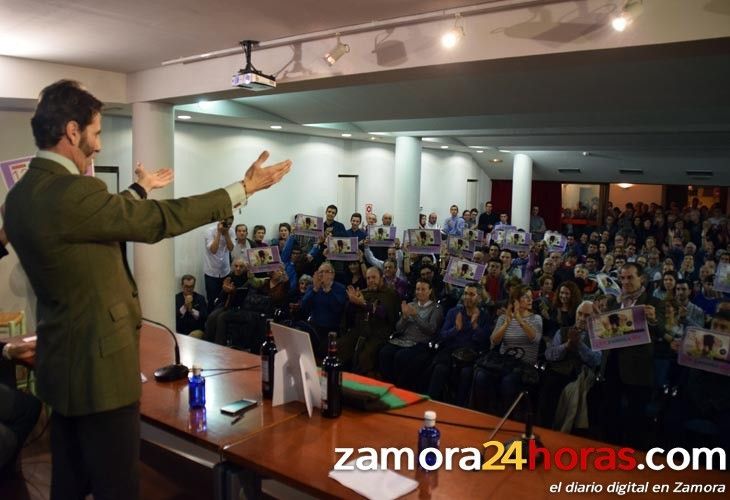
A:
{"points": [[705, 350], [381, 236], [423, 241], [463, 272], [608, 285], [620, 328], [473, 235], [498, 233], [722, 277], [555, 241], [339, 248], [308, 225], [460, 247], [263, 259], [516, 240]]}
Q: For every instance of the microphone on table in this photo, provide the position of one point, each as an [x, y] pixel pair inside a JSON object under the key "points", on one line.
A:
{"points": [[528, 435], [170, 373]]}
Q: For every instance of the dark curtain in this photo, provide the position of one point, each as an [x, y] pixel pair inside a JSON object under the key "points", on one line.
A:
{"points": [[545, 194]]}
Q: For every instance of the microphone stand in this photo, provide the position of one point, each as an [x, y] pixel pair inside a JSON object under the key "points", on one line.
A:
{"points": [[528, 435], [173, 372]]}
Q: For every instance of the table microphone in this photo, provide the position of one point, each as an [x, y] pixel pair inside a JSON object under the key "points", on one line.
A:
{"points": [[174, 372], [528, 435]]}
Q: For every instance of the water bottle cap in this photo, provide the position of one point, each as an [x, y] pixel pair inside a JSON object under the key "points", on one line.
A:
{"points": [[197, 369], [430, 416]]}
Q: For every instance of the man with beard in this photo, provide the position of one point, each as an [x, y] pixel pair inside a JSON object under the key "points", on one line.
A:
{"points": [[87, 363]]}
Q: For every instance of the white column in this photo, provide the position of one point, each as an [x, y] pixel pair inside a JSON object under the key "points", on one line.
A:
{"points": [[154, 265], [407, 183], [521, 191]]}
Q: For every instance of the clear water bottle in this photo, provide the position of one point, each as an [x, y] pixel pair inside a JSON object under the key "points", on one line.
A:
{"points": [[196, 388], [429, 437]]}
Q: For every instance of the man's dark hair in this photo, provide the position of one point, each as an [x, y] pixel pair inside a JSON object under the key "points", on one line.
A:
{"points": [[259, 227], [496, 261], [683, 281], [286, 225], [635, 265], [241, 225], [332, 206], [60, 103], [187, 277], [356, 214]]}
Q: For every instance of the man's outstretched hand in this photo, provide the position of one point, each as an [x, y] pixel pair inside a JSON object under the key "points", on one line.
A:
{"points": [[153, 180], [259, 177]]}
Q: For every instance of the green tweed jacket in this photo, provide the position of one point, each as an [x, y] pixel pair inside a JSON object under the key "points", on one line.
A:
{"points": [[67, 230]]}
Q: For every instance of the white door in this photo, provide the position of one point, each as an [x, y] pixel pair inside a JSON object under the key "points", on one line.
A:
{"points": [[471, 195], [346, 198]]}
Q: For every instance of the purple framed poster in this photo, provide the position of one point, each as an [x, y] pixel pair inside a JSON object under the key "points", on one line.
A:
{"points": [[423, 241], [705, 350], [463, 272], [516, 240], [263, 259], [381, 236], [460, 247], [620, 328], [308, 225], [555, 241], [342, 248]]}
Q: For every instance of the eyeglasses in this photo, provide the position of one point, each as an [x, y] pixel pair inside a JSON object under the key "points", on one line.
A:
{"points": [[325, 271]]}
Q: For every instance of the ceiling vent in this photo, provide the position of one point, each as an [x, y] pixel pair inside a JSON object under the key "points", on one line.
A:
{"points": [[631, 171], [569, 170], [699, 173]]}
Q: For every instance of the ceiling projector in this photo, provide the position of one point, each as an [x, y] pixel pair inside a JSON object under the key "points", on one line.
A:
{"points": [[249, 77]]}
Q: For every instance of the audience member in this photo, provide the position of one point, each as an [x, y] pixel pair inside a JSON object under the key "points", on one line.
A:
{"points": [[191, 309]]}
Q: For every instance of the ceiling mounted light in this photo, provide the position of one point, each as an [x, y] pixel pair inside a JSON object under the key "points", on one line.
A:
{"points": [[204, 105], [505, 151], [444, 147], [624, 185], [346, 135], [480, 150], [184, 117], [451, 38], [496, 160], [629, 12], [334, 55], [275, 127]]}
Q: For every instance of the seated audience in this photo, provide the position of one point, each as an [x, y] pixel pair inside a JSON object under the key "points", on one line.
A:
{"points": [[191, 309], [401, 358], [373, 313]]}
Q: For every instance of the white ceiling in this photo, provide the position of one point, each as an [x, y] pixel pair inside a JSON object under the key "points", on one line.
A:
{"points": [[662, 109]]}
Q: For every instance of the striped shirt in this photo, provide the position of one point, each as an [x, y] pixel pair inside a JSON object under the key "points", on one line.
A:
{"points": [[515, 336]]}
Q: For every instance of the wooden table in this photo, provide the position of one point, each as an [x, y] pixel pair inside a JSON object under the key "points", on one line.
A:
{"points": [[300, 452], [164, 405]]}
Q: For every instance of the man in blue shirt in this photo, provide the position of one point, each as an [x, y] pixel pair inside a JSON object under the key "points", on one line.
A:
{"points": [[355, 229], [454, 225], [338, 229]]}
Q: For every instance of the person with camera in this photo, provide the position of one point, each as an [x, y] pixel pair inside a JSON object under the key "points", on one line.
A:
{"points": [[217, 258]]}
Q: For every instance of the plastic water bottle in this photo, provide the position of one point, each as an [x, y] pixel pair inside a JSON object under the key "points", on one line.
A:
{"points": [[196, 389], [429, 437]]}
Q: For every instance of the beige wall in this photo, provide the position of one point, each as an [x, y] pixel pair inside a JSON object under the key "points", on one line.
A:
{"points": [[646, 193]]}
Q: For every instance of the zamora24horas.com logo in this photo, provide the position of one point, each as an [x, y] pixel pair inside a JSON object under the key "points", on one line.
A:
{"points": [[495, 456]]}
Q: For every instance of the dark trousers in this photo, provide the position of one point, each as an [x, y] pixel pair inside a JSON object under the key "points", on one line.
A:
{"points": [[18, 415], [213, 288], [97, 454]]}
